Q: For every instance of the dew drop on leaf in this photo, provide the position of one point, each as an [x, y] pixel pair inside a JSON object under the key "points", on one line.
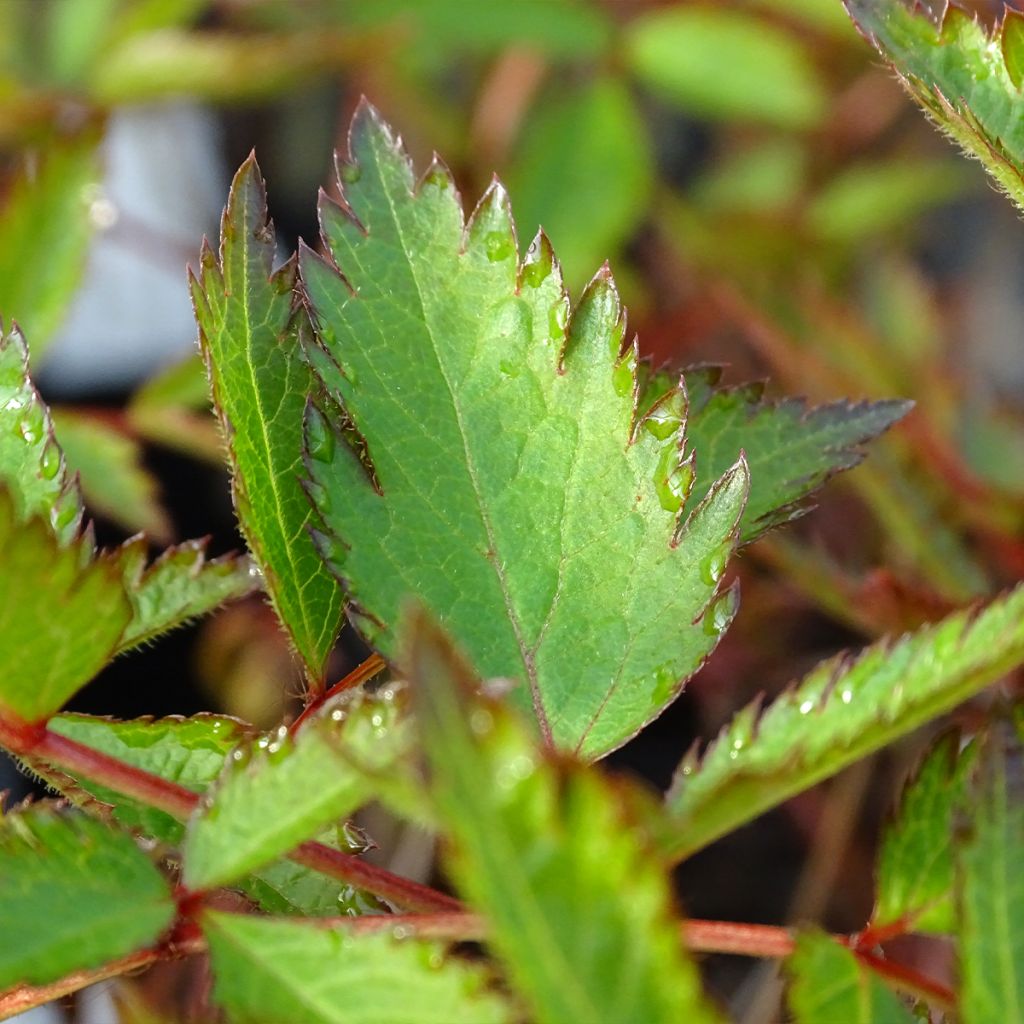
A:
{"points": [[713, 566]]}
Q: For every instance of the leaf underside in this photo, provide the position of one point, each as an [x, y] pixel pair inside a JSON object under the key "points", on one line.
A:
{"points": [[73, 894], [840, 712], [550, 853], [966, 78], [249, 333], [485, 455], [270, 971]]}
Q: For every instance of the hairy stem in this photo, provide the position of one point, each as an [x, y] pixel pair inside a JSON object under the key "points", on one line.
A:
{"points": [[373, 665]]}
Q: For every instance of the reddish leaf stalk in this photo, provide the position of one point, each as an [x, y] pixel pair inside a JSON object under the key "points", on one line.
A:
{"points": [[360, 674], [909, 980]]}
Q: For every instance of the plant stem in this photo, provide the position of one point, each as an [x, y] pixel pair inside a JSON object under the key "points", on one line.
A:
{"points": [[34, 742], [360, 674], [909, 980]]}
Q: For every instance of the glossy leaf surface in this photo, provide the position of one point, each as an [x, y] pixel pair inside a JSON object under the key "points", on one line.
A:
{"points": [[249, 333], [830, 985], [291, 789], [499, 473], [551, 854], [967, 79], [837, 714], [270, 971], [915, 865], [991, 867], [73, 894]]}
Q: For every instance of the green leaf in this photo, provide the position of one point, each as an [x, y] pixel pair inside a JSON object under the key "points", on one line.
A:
{"points": [[584, 171], [915, 865], [965, 78], [578, 905], [269, 971], [250, 336], [829, 984], [839, 713], [725, 64], [44, 237], [61, 616], [114, 480], [73, 894], [180, 585], [32, 465], [284, 790], [188, 751], [499, 471], [791, 449], [991, 868]]}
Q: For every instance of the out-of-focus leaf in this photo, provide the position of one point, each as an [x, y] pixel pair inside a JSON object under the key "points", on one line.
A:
{"points": [[499, 471], [250, 335], [271, 971], [114, 480], [173, 409], [551, 854], [32, 465], [725, 64], [73, 894], [823, 15], [284, 791], [45, 229], [869, 199], [991, 886], [188, 751], [828, 984], [767, 178], [180, 585], [915, 866], [962, 76], [74, 34], [993, 441], [584, 173], [61, 615], [839, 713]]}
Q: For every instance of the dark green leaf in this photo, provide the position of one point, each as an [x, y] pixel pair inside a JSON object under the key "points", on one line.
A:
{"points": [[273, 971], [842, 711], [578, 904], [250, 335], [512, 487], [73, 894]]}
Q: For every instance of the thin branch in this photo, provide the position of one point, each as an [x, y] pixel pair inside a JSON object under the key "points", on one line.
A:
{"points": [[373, 665], [909, 980]]}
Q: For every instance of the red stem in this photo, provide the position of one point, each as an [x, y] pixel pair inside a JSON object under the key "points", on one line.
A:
{"points": [[360, 674], [909, 980]]}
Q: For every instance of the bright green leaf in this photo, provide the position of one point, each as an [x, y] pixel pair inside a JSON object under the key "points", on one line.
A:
{"points": [[490, 460], [958, 72], [114, 480], [284, 790], [188, 751], [991, 868], [839, 713], [180, 585], [578, 906], [829, 984], [73, 894], [765, 178], [61, 616], [915, 865], [725, 64], [271, 971], [250, 335], [791, 449], [584, 172], [32, 465], [44, 236]]}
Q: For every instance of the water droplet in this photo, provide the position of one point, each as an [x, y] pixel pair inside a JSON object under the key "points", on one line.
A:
{"points": [[63, 514], [713, 565], [348, 173], [623, 375], [846, 696], [30, 427], [807, 707], [401, 931], [558, 319], [517, 770], [481, 721], [672, 479], [499, 245], [538, 265], [337, 715], [49, 462], [718, 616], [663, 422], [319, 438], [437, 177], [15, 402]]}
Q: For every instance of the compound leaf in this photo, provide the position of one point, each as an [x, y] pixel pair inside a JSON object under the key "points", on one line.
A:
{"points": [[268, 971], [249, 333], [966, 78], [829, 984], [61, 615], [991, 887], [842, 711], [489, 459], [285, 790], [915, 865], [551, 854], [73, 894]]}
